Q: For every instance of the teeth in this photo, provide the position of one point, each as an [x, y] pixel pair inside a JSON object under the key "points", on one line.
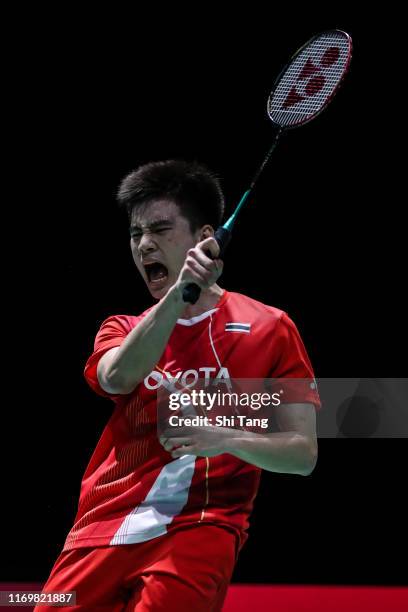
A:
{"points": [[156, 272]]}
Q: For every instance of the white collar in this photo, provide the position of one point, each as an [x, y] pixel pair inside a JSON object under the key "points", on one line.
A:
{"points": [[196, 319]]}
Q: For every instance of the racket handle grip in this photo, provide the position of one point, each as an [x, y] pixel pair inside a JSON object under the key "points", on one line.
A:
{"points": [[191, 292]]}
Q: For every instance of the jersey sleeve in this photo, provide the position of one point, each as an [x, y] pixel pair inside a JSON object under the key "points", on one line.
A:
{"points": [[111, 334], [291, 361]]}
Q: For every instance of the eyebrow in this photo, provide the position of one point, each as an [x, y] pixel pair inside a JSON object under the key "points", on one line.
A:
{"points": [[153, 225]]}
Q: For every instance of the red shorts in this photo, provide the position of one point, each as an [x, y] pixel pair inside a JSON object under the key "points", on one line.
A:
{"points": [[187, 570]]}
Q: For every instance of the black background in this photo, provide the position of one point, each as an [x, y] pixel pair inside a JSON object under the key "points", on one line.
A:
{"points": [[321, 238]]}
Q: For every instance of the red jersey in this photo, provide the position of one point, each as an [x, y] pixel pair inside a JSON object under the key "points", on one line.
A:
{"points": [[132, 489]]}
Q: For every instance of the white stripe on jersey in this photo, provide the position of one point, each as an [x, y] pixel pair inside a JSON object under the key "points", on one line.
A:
{"points": [[165, 500]]}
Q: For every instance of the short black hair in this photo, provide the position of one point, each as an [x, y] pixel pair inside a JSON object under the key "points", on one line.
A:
{"points": [[191, 185]]}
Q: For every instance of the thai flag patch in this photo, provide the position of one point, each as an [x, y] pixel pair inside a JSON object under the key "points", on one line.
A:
{"points": [[243, 328]]}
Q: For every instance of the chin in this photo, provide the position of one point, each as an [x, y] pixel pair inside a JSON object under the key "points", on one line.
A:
{"points": [[158, 294]]}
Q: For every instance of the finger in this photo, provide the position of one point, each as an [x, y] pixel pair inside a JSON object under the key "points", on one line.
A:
{"points": [[179, 432], [202, 259], [183, 450], [219, 265], [198, 267], [199, 274], [210, 244], [209, 275], [175, 443], [214, 266]]}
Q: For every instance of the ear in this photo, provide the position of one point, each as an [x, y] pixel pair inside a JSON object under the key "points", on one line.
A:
{"points": [[205, 232]]}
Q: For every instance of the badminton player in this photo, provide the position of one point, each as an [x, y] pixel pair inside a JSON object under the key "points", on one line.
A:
{"points": [[161, 518]]}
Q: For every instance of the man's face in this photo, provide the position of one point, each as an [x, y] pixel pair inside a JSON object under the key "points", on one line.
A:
{"points": [[160, 239]]}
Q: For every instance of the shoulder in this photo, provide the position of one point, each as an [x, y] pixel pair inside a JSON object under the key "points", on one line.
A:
{"points": [[240, 304], [122, 322]]}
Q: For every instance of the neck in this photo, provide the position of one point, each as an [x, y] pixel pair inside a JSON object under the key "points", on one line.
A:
{"points": [[207, 300]]}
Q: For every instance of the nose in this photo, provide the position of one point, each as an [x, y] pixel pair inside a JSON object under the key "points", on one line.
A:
{"points": [[146, 244]]}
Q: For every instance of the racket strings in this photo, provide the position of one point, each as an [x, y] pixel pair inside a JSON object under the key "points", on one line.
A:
{"points": [[310, 80]]}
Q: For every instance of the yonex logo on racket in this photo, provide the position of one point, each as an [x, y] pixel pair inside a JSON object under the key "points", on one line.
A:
{"points": [[314, 74], [310, 80]]}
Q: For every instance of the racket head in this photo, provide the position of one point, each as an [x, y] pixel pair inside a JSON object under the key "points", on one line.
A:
{"points": [[310, 80]]}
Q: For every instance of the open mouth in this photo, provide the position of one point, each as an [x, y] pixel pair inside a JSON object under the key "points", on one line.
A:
{"points": [[157, 274]]}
